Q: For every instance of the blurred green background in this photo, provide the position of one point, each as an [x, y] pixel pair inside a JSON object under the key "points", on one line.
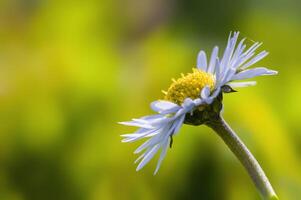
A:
{"points": [[69, 70]]}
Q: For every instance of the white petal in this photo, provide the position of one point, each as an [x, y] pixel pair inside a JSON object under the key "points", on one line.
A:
{"points": [[253, 47], [198, 102], [239, 49], [153, 121], [151, 117], [159, 141], [162, 155], [164, 106], [241, 84], [213, 60], [161, 122], [229, 50], [148, 156], [145, 145], [206, 95], [187, 106], [202, 61], [242, 59], [217, 72], [211, 98], [165, 131], [135, 123], [187, 102], [250, 73], [227, 76], [205, 92], [258, 57], [152, 141], [140, 157], [136, 136], [178, 124]]}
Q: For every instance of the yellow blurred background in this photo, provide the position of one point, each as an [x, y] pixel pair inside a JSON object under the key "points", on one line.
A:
{"points": [[70, 70]]}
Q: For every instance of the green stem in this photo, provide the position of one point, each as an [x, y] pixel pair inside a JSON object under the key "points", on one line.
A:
{"points": [[220, 126]]}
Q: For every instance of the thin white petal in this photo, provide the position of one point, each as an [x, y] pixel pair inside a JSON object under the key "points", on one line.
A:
{"points": [[228, 52], [198, 102], [250, 73], [187, 102], [145, 145], [242, 59], [164, 132], [241, 84], [161, 122], [148, 157], [178, 124], [150, 142], [164, 106], [217, 72], [152, 121], [187, 106], [136, 136], [135, 123], [257, 58], [205, 92], [211, 98], [253, 48], [227, 76], [140, 157], [151, 117], [162, 155], [213, 60], [239, 49], [202, 61]]}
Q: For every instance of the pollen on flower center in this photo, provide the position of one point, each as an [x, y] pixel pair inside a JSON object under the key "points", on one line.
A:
{"points": [[189, 86]]}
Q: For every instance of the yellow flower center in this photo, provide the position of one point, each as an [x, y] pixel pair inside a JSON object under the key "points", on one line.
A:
{"points": [[189, 86]]}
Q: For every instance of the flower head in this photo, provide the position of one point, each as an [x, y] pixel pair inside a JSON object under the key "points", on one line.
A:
{"points": [[189, 86], [191, 96]]}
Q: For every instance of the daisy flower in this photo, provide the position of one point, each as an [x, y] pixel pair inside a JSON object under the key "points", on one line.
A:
{"points": [[195, 98]]}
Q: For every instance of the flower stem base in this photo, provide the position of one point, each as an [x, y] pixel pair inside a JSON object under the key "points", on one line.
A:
{"points": [[219, 125]]}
